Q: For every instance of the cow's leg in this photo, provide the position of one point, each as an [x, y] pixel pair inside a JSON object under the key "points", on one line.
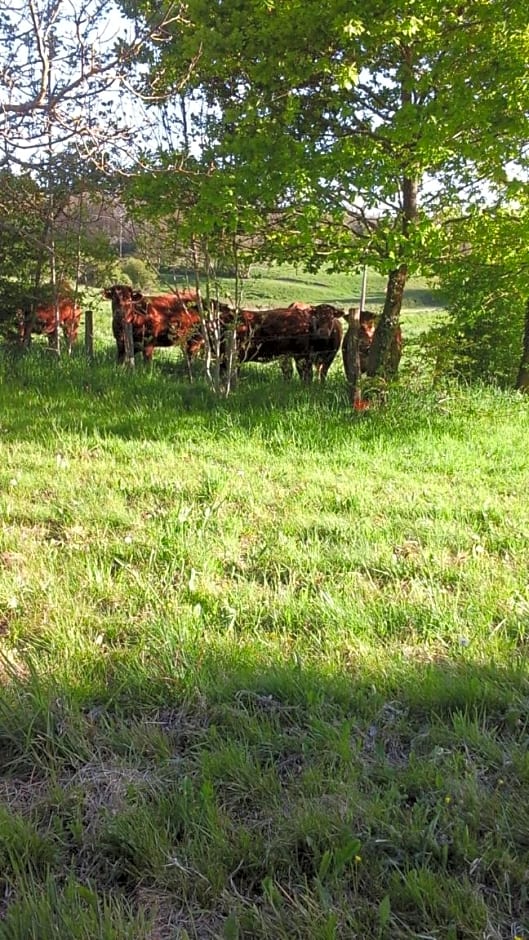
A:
{"points": [[68, 334], [304, 367], [148, 353], [322, 367], [189, 359], [287, 369]]}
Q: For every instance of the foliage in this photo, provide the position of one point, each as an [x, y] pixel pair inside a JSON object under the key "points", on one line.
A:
{"points": [[80, 252], [136, 272], [336, 106], [21, 226], [346, 128], [484, 277], [194, 205], [483, 339]]}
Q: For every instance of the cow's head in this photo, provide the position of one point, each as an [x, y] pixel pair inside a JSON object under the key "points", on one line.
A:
{"points": [[124, 300], [368, 323], [323, 320]]}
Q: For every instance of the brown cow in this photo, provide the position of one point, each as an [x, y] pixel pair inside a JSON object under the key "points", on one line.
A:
{"points": [[322, 359], [311, 335], [368, 325], [161, 320], [44, 322], [122, 298]]}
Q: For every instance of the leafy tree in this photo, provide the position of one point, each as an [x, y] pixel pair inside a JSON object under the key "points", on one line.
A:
{"points": [[21, 212], [24, 224], [482, 267], [26, 218], [354, 122], [63, 65], [195, 203]]}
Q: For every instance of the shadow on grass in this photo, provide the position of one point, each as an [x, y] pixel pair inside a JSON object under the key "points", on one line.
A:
{"points": [[42, 398], [255, 798], [422, 297]]}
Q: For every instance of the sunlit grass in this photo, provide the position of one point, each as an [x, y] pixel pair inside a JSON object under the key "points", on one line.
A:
{"points": [[263, 661], [282, 283]]}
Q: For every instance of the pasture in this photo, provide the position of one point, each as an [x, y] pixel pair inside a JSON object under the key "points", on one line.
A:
{"points": [[264, 661]]}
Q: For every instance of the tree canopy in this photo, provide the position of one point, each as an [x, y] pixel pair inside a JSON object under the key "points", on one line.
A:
{"points": [[332, 133], [358, 123]]}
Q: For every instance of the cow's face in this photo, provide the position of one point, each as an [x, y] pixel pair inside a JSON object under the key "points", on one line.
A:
{"points": [[323, 319], [327, 310], [123, 300], [368, 324]]}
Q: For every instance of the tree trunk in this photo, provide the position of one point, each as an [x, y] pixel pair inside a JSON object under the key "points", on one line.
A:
{"points": [[384, 354], [522, 382], [29, 319], [89, 335]]}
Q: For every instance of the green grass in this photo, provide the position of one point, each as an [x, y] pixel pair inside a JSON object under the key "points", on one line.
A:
{"points": [[263, 661], [279, 284]]}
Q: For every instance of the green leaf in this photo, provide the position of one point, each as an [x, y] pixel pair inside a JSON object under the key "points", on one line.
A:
{"points": [[384, 911]]}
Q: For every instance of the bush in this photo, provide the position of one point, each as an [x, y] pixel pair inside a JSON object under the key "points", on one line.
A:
{"points": [[135, 272], [482, 337], [480, 344]]}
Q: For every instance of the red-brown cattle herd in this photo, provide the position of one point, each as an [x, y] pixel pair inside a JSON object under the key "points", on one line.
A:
{"points": [[310, 335]]}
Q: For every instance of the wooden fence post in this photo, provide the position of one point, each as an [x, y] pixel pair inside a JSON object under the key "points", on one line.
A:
{"points": [[351, 356], [89, 334], [129, 344], [363, 288]]}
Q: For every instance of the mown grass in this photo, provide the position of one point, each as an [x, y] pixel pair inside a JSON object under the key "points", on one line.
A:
{"points": [[264, 662]]}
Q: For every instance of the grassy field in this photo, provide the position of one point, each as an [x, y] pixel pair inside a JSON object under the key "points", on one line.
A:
{"points": [[281, 284], [264, 662]]}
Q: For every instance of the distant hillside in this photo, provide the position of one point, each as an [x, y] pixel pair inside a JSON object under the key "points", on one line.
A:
{"points": [[282, 284]]}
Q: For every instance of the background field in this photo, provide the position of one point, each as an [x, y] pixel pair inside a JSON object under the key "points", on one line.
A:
{"points": [[283, 283], [264, 661]]}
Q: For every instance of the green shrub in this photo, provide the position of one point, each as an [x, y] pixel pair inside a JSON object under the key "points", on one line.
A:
{"points": [[135, 272], [479, 344], [482, 336]]}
